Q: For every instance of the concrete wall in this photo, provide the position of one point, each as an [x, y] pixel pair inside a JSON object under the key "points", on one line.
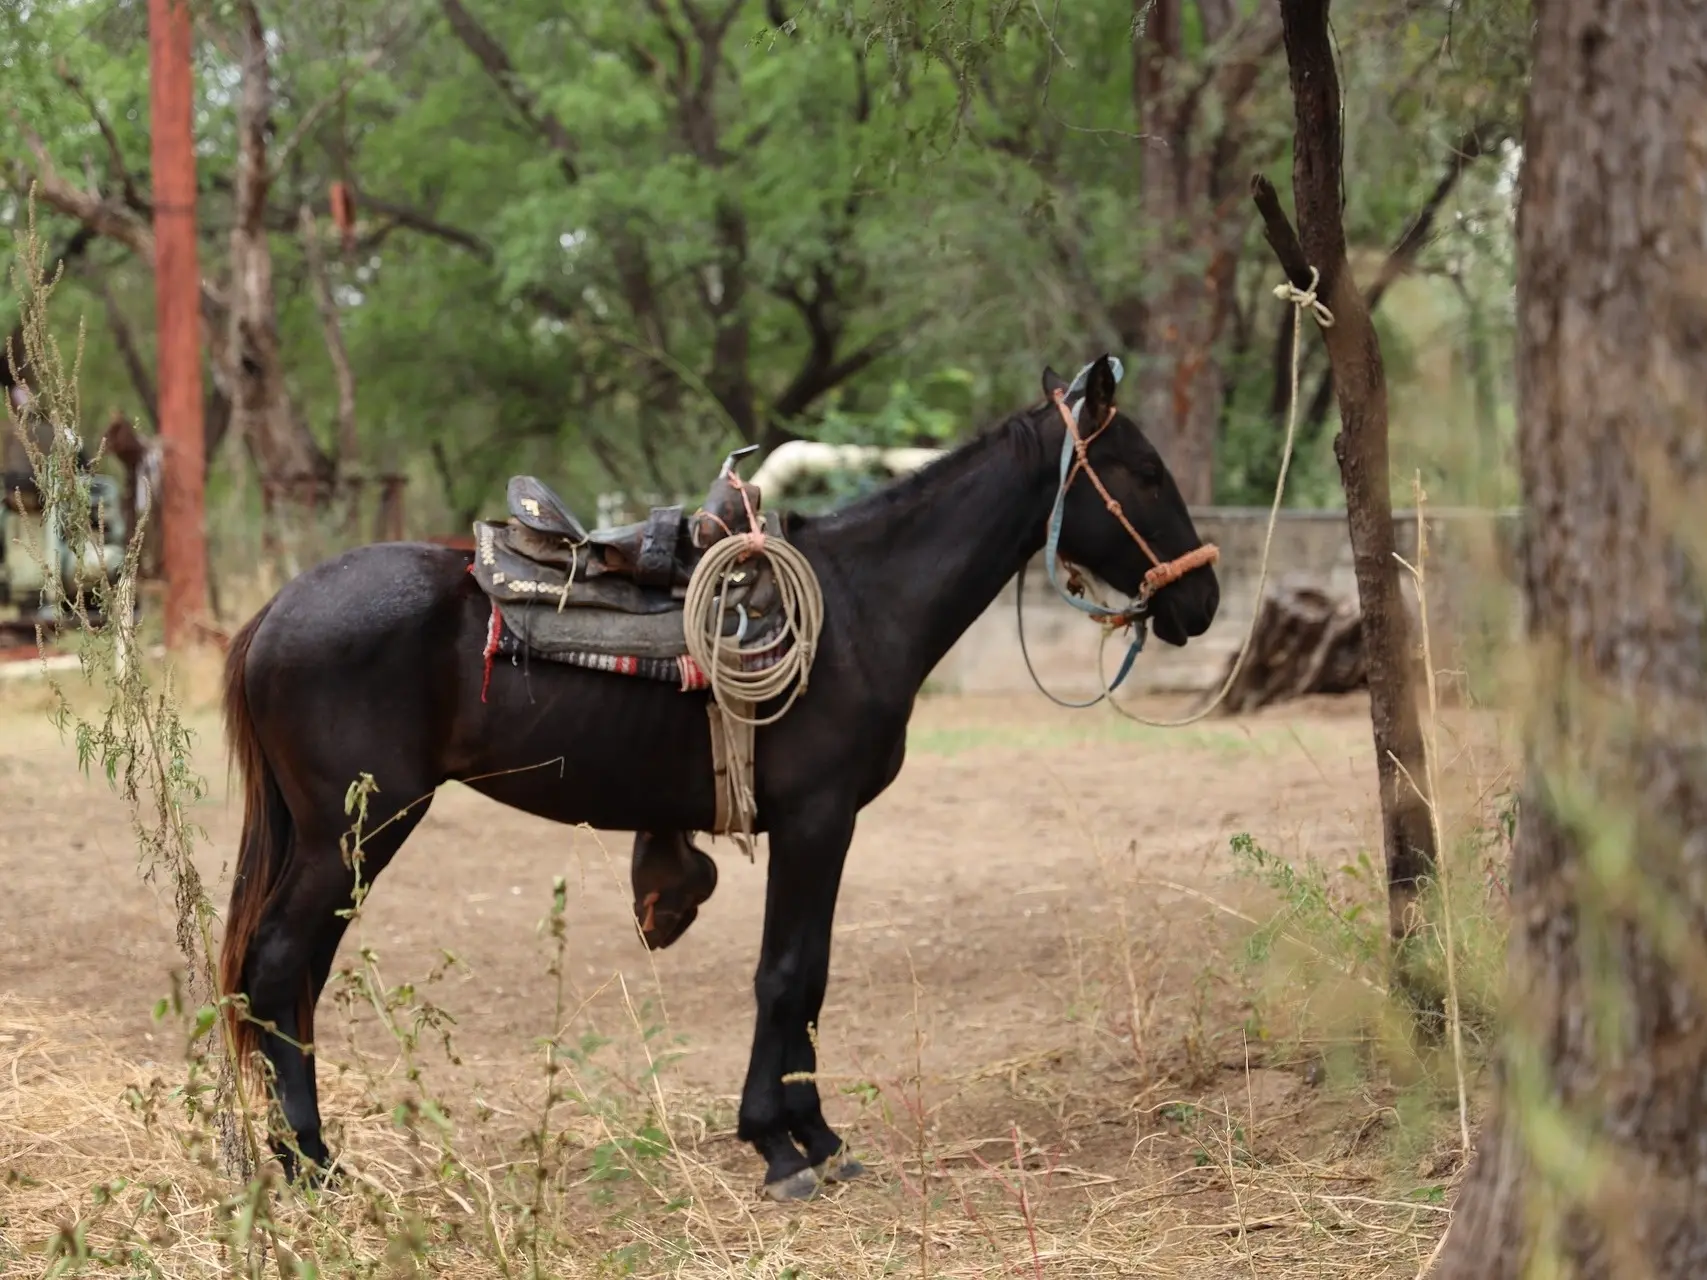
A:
{"points": [[1471, 605]]}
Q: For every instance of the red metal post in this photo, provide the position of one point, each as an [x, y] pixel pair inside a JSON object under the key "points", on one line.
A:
{"points": [[177, 309]]}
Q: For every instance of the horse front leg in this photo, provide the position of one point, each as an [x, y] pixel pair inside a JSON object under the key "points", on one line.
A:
{"points": [[780, 1103]]}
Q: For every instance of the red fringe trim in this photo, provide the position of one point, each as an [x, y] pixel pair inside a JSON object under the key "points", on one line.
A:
{"points": [[493, 631]]}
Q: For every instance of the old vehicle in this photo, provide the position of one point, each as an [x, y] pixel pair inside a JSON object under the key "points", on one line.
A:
{"points": [[39, 570]]}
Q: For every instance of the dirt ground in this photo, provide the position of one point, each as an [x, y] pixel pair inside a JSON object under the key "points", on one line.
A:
{"points": [[1002, 930]]}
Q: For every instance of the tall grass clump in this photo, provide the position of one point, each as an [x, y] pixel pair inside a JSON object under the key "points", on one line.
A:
{"points": [[1323, 958]]}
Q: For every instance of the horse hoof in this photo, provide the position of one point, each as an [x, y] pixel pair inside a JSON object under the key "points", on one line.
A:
{"points": [[313, 1176], [797, 1186], [840, 1167], [327, 1178]]}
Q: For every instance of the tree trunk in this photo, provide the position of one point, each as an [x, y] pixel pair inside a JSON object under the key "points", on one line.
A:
{"points": [[1177, 331], [1595, 1161], [1360, 382], [284, 449]]}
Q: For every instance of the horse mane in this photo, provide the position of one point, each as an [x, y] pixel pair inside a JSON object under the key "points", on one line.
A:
{"points": [[1015, 433]]}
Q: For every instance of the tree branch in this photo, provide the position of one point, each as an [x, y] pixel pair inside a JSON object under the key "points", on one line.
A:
{"points": [[425, 224], [1402, 258], [502, 72], [1471, 147], [103, 217], [349, 438], [132, 196], [1277, 230], [287, 148], [125, 339]]}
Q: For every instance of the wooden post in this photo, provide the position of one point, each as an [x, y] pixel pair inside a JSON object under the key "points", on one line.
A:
{"points": [[177, 302]]}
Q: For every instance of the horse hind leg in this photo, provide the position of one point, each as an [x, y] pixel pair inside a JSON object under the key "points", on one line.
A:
{"points": [[278, 981], [287, 967]]}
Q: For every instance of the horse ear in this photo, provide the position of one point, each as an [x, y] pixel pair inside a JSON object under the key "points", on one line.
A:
{"points": [[1052, 382], [1100, 385]]}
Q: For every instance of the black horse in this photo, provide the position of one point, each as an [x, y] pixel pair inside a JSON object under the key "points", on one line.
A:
{"points": [[372, 663]]}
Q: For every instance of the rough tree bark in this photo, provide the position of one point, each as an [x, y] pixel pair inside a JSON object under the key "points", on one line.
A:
{"points": [[1361, 446], [1596, 1156]]}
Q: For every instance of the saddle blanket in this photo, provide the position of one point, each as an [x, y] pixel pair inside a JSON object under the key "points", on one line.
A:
{"points": [[682, 670]]}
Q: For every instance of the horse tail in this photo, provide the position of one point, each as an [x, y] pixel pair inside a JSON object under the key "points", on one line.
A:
{"points": [[264, 849]]}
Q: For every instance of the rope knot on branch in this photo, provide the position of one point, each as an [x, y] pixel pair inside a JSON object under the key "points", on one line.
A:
{"points": [[1306, 298]]}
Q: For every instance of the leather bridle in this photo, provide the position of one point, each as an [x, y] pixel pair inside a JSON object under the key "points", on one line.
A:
{"points": [[1162, 572], [1075, 457]]}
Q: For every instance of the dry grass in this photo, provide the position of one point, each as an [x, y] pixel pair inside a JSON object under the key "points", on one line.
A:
{"points": [[1075, 1160], [1141, 1134]]}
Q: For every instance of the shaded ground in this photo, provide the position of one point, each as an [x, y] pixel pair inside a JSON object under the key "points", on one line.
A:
{"points": [[1001, 934]]}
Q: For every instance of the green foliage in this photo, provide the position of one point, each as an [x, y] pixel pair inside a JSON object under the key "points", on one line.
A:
{"points": [[552, 258], [1322, 961], [929, 415]]}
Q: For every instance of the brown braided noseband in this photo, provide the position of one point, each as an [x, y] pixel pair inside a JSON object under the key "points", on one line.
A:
{"points": [[1163, 572]]}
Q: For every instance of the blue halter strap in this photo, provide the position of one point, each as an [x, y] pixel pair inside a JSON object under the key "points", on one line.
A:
{"points": [[1133, 614]]}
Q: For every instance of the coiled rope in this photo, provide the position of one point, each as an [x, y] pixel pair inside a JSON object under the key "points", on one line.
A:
{"points": [[1302, 300], [726, 664], [741, 677]]}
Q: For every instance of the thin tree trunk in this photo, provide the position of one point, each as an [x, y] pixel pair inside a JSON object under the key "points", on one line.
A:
{"points": [[349, 436], [283, 447], [1595, 1161], [1179, 328], [1361, 448]]}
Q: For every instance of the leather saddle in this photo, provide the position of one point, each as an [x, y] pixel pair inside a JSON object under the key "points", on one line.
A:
{"points": [[618, 591]]}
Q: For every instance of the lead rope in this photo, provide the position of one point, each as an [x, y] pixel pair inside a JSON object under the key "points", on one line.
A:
{"points": [[1301, 299]]}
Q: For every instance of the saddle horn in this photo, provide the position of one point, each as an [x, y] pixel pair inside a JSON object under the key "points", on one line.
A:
{"points": [[737, 455], [724, 511]]}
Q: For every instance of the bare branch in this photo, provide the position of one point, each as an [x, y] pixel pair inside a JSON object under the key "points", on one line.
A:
{"points": [[349, 438], [823, 370], [132, 196], [104, 217], [1277, 230], [1471, 147], [294, 139], [1402, 259], [425, 224], [125, 339]]}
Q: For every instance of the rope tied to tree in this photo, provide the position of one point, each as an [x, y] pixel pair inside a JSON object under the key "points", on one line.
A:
{"points": [[1301, 300]]}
